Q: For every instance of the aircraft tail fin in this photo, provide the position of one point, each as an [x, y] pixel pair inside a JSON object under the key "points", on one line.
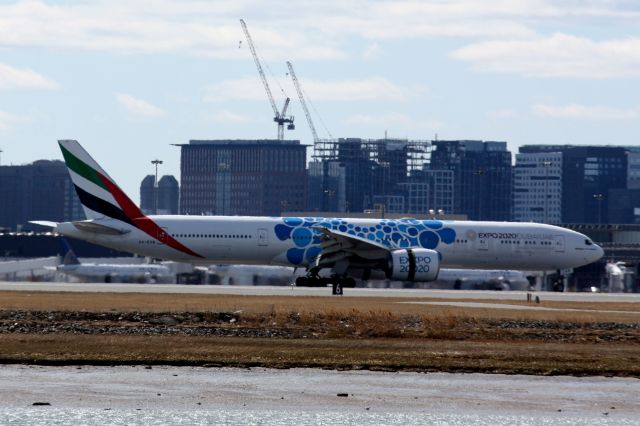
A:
{"points": [[101, 198], [70, 257], [99, 194]]}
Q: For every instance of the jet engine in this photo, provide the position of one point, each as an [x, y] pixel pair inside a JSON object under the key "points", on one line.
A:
{"points": [[413, 265]]}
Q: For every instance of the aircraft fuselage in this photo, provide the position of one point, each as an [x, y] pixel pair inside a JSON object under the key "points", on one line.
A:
{"points": [[296, 241]]}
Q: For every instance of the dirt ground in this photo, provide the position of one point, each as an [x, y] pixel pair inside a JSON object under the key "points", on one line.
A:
{"points": [[324, 332]]}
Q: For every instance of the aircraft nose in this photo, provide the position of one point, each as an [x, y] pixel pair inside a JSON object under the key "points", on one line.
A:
{"points": [[598, 253]]}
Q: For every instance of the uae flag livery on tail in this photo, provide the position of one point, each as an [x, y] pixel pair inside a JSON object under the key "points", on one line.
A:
{"points": [[101, 197]]}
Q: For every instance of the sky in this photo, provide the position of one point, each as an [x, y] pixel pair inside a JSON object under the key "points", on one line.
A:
{"points": [[129, 78]]}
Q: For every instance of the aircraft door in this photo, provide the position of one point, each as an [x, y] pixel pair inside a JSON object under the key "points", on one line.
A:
{"points": [[263, 237], [558, 243]]}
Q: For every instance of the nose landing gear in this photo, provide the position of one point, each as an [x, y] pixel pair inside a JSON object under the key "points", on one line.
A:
{"points": [[338, 283]]}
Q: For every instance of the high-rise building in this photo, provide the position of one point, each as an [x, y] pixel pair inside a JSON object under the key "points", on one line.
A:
{"points": [[147, 194], [242, 177], [357, 175], [537, 187], [624, 207], [481, 177], [428, 191], [39, 191], [633, 169], [327, 186], [588, 174], [168, 194]]}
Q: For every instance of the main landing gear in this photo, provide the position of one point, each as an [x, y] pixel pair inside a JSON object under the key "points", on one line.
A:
{"points": [[338, 283]]}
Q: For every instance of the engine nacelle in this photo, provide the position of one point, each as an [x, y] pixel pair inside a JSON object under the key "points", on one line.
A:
{"points": [[413, 265]]}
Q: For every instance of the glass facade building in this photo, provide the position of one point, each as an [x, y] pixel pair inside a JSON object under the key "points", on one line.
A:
{"points": [[242, 177], [39, 191], [481, 177], [588, 174]]}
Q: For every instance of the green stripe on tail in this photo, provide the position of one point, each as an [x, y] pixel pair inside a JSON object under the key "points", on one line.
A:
{"points": [[78, 166]]}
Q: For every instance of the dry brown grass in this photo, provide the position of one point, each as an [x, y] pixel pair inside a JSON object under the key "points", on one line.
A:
{"points": [[372, 354], [104, 302], [334, 332]]}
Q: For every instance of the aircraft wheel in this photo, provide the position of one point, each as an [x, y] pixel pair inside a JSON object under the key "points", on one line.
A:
{"points": [[302, 282], [349, 283]]}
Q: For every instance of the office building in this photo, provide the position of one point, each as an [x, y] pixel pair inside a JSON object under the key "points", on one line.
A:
{"points": [[168, 194], [242, 177], [624, 206], [537, 187], [588, 174], [481, 177], [428, 191], [148, 194], [39, 191], [633, 169], [359, 175]]}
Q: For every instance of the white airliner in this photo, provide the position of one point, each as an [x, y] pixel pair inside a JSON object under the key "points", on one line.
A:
{"points": [[403, 250], [111, 272], [475, 279]]}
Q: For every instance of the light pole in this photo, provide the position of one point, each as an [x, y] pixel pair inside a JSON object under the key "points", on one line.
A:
{"points": [[155, 186], [599, 198], [546, 165]]}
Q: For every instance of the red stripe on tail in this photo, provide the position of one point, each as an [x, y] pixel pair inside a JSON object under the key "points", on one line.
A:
{"points": [[141, 221]]}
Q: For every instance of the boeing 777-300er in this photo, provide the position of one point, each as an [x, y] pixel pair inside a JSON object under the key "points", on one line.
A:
{"points": [[333, 250]]}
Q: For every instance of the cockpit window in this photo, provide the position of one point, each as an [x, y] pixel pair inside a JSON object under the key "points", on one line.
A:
{"points": [[588, 242]]}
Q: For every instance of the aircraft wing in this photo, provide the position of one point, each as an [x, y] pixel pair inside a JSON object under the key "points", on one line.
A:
{"points": [[97, 228], [84, 225], [338, 245]]}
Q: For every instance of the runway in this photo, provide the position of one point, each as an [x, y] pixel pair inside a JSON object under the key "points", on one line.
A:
{"points": [[291, 291]]}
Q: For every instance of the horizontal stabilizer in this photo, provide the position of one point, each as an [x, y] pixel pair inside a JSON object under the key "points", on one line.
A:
{"points": [[96, 228], [45, 223]]}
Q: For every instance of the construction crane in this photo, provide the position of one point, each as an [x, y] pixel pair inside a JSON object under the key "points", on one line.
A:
{"points": [[302, 101], [280, 117]]}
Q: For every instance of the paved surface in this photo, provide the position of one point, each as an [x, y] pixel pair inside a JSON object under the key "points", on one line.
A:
{"points": [[518, 307], [306, 291], [164, 387]]}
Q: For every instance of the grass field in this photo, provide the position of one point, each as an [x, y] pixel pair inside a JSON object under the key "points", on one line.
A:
{"points": [[326, 332]]}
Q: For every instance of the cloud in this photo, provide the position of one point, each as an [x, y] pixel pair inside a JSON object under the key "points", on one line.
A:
{"points": [[326, 30], [7, 120], [139, 108], [313, 30], [583, 112], [132, 27], [365, 89], [14, 78], [559, 55]]}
